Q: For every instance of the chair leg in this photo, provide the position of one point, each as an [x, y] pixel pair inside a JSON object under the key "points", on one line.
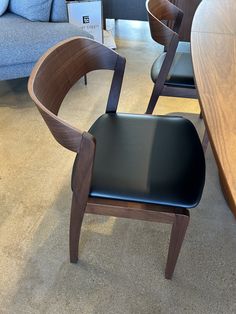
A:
{"points": [[81, 179], [178, 231], [154, 98], [104, 23], [76, 219], [205, 141], [85, 80]]}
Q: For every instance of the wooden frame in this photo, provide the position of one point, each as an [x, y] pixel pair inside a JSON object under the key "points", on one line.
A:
{"points": [[189, 8], [53, 76]]}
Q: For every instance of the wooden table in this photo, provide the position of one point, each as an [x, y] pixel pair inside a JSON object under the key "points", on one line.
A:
{"points": [[213, 41]]}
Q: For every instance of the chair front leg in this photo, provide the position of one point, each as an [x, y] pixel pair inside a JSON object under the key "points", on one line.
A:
{"points": [[156, 92], [205, 141], [178, 231], [81, 179], [78, 207]]}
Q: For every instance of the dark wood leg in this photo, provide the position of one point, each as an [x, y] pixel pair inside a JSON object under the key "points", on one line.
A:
{"points": [[104, 23], [76, 219], [200, 115], [85, 80], [154, 98], [205, 141], [178, 231], [81, 178]]}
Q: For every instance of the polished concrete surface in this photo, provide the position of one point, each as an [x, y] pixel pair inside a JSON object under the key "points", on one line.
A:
{"points": [[121, 268]]}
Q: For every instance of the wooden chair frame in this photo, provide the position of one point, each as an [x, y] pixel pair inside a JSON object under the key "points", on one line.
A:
{"points": [[160, 12], [54, 74]]}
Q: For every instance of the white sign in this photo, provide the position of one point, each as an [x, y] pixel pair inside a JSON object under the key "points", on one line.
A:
{"points": [[88, 16]]}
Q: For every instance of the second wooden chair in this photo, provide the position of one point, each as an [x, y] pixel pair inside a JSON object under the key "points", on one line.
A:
{"points": [[172, 71]]}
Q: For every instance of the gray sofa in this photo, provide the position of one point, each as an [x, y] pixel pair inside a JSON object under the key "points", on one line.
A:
{"points": [[22, 41]]}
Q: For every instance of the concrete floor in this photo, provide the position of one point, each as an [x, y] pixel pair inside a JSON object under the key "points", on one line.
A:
{"points": [[121, 268]]}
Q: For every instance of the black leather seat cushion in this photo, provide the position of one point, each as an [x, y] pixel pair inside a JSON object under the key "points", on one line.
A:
{"points": [[181, 71], [151, 159]]}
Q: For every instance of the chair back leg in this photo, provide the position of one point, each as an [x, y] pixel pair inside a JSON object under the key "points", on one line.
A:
{"points": [[77, 214]]}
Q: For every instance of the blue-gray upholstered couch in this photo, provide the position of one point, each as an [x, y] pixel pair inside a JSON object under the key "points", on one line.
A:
{"points": [[22, 41]]}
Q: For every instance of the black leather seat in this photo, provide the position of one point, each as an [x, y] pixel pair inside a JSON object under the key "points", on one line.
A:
{"points": [[181, 71], [157, 159]]}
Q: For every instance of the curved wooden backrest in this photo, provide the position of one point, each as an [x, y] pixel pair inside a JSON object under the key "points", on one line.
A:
{"points": [[59, 69], [189, 8], [159, 12]]}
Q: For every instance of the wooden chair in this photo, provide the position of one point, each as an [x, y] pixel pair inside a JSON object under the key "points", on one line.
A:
{"points": [[172, 71], [127, 165], [189, 8]]}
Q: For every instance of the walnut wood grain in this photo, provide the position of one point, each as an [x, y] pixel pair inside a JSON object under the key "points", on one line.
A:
{"points": [[80, 186], [215, 16], [188, 7], [213, 41], [140, 211]]}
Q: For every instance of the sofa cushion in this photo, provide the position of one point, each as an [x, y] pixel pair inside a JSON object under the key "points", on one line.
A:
{"points": [[15, 71], [22, 41], [33, 10], [3, 6], [59, 11]]}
